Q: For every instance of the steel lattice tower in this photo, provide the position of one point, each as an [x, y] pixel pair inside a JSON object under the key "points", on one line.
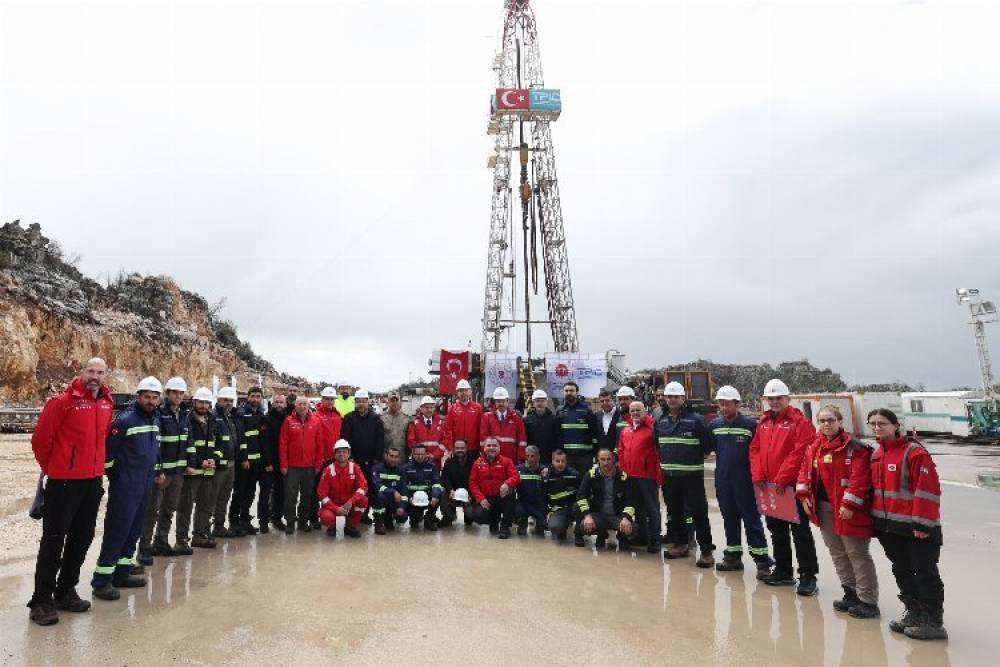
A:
{"points": [[518, 66]]}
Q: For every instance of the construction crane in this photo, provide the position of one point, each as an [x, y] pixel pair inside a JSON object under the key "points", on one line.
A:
{"points": [[521, 112], [983, 312]]}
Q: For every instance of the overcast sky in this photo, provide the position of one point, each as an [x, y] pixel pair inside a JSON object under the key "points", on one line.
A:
{"points": [[744, 182]]}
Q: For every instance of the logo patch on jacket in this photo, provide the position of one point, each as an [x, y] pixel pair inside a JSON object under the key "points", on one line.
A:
{"points": [[892, 467]]}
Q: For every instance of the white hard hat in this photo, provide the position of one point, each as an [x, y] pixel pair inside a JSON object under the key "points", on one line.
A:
{"points": [[674, 389], [463, 384], [361, 393], [149, 384], [538, 393], [328, 392], [420, 499], [176, 384], [461, 496], [203, 394], [227, 392], [427, 400], [625, 391], [727, 393], [776, 387], [342, 444], [500, 394]]}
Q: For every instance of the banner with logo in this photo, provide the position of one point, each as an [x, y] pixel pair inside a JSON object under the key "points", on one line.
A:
{"points": [[590, 371], [454, 367], [501, 371]]}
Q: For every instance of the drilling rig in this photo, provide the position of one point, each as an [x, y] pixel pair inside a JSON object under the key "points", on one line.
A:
{"points": [[521, 112]]}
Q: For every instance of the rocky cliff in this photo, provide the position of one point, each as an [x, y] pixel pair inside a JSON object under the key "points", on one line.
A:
{"points": [[53, 318]]}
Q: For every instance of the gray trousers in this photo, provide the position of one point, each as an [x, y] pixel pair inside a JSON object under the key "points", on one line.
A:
{"points": [[223, 482], [299, 487], [160, 510], [851, 557]]}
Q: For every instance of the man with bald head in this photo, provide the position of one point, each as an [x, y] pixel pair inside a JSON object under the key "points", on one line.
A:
{"points": [[68, 444]]}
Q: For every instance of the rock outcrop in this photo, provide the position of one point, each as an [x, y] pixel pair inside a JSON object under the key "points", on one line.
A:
{"points": [[53, 318]]}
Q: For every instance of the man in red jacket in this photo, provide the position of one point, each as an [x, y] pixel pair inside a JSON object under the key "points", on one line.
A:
{"points": [[463, 421], [776, 453], [331, 421], [503, 423], [69, 446], [425, 429], [492, 482], [298, 452], [639, 457], [343, 491]]}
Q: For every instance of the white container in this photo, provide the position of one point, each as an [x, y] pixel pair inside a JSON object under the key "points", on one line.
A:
{"points": [[937, 412]]}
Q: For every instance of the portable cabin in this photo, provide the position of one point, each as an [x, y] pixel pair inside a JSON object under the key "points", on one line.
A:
{"points": [[811, 404], [944, 412]]}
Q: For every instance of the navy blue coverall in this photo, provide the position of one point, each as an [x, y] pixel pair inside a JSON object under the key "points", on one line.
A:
{"points": [[131, 456]]}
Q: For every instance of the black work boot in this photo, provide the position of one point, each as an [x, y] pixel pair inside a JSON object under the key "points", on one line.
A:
{"points": [[849, 600], [145, 557], [522, 527], [70, 601], [332, 530], [43, 613], [430, 523], [779, 578], [864, 610], [910, 616], [351, 531], [929, 626], [380, 525], [578, 540], [248, 528], [807, 586], [539, 529], [202, 542], [278, 524], [161, 548], [107, 592], [182, 548], [504, 532]]}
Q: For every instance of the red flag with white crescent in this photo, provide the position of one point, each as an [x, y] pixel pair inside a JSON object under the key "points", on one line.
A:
{"points": [[454, 367], [512, 98]]}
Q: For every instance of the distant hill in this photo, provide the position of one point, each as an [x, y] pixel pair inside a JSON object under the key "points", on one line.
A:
{"points": [[53, 318]]}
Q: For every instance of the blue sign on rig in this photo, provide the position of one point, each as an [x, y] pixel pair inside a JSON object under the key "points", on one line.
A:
{"points": [[545, 99], [541, 103]]}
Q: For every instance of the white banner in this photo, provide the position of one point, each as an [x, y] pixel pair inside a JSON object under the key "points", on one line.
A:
{"points": [[501, 371], [590, 371]]}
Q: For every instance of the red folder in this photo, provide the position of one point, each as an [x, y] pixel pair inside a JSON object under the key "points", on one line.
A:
{"points": [[780, 506]]}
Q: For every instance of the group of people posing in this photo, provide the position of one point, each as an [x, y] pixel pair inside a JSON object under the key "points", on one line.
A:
{"points": [[598, 471]]}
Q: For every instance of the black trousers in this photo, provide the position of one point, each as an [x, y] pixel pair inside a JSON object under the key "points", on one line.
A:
{"points": [[243, 492], [276, 483], [783, 533], [68, 522], [915, 567], [501, 512], [687, 493]]}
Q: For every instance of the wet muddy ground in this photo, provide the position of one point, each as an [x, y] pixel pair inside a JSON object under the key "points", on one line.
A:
{"points": [[460, 595]]}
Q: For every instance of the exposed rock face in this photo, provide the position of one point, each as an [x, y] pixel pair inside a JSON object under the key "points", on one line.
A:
{"points": [[53, 318]]}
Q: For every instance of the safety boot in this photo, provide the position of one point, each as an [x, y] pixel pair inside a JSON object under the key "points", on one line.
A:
{"points": [[678, 551], [910, 617], [779, 578], [332, 531], [430, 523], [43, 613], [248, 528], [70, 601], [706, 559], [145, 556], [729, 563], [522, 527], [849, 600], [279, 524], [864, 610], [107, 592], [161, 548], [182, 548], [929, 626], [539, 529], [578, 541], [504, 532], [238, 531], [202, 542], [350, 531], [807, 586], [380, 527], [221, 532], [138, 570]]}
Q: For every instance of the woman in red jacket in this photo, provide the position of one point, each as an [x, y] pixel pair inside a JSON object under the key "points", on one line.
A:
{"points": [[906, 508], [835, 490]]}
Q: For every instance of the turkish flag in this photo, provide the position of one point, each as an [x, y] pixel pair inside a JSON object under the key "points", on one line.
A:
{"points": [[512, 98], [454, 367]]}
